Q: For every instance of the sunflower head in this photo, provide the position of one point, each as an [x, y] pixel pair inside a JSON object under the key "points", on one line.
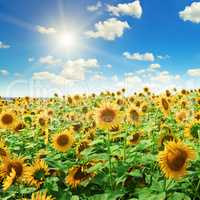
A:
{"points": [[133, 115], [82, 146], [164, 105], [4, 154], [134, 138], [107, 116], [17, 164], [78, 174], [193, 130], [63, 141], [173, 160], [7, 119], [36, 173], [181, 116]]}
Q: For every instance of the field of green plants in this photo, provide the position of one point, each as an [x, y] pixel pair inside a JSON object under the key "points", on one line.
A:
{"points": [[101, 147]]}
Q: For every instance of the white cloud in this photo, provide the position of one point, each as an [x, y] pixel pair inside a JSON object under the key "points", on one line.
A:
{"points": [[93, 8], [4, 72], [76, 69], [53, 78], [46, 30], [133, 9], [191, 13], [139, 57], [109, 29], [165, 77], [163, 57], [4, 46], [155, 66], [109, 66], [194, 72], [98, 77], [49, 60], [31, 59]]}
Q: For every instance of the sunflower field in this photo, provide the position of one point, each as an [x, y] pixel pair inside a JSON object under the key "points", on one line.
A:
{"points": [[101, 147]]}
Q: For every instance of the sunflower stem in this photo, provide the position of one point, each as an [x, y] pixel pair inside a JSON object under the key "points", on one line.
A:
{"points": [[109, 160], [197, 188], [124, 147]]}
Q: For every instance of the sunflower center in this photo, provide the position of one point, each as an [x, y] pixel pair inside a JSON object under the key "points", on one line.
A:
{"points": [[3, 152], [7, 119], [165, 104], [134, 115], [62, 140], [181, 116], [108, 115], [135, 137], [39, 174], [19, 127], [176, 160], [42, 121], [17, 166], [79, 174]]}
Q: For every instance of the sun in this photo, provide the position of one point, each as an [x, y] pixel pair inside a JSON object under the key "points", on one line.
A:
{"points": [[66, 40]]}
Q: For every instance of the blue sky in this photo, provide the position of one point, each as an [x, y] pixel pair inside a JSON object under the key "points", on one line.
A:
{"points": [[87, 46]]}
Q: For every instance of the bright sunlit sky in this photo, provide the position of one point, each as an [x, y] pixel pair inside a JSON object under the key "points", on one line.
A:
{"points": [[64, 46]]}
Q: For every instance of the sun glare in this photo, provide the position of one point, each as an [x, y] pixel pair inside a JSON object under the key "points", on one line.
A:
{"points": [[66, 40]]}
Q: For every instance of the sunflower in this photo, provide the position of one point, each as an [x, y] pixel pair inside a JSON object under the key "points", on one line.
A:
{"points": [[164, 105], [107, 116], [133, 115], [192, 130], [19, 126], [76, 175], [17, 164], [181, 116], [36, 173], [43, 120], [7, 119], [63, 141], [9, 180], [82, 146], [173, 160], [165, 129], [197, 116], [3, 150], [41, 196], [134, 138]]}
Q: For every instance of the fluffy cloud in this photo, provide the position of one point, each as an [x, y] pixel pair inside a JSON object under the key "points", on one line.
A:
{"points": [[194, 72], [98, 77], [4, 72], [31, 59], [109, 66], [45, 30], [53, 78], [191, 13], [154, 66], [76, 69], [165, 77], [133, 9], [93, 8], [109, 29], [163, 57], [4, 46], [139, 57], [49, 60]]}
